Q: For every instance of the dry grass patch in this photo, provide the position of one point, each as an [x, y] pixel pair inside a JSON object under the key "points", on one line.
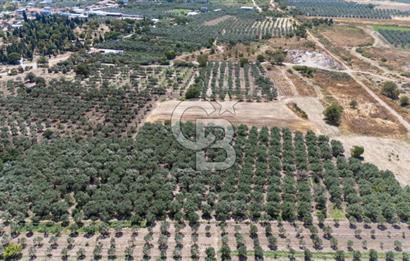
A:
{"points": [[393, 59], [303, 88], [271, 114], [347, 36], [369, 118]]}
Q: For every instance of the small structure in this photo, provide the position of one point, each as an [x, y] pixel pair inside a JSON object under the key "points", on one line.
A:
{"points": [[71, 15], [105, 51], [192, 13], [247, 8], [46, 2]]}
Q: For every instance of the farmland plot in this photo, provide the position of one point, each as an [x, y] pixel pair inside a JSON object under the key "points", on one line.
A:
{"points": [[285, 191], [113, 100], [239, 28], [343, 9], [228, 80], [174, 240], [397, 38]]}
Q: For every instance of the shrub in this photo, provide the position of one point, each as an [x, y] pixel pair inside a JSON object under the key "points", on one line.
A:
{"points": [[340, 255], [243, 61], [305, 71], [333, 114], [353, 104], [404, 101], [170, 54], [390, 256], [12, 251], [202, 60], [260, 58], [390, 90], [193, 92], [82, 69], [372, 255], [357, 152]]}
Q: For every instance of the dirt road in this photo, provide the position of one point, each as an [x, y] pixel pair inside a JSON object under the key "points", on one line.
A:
{"points": [[257, 6], [352, 74]]}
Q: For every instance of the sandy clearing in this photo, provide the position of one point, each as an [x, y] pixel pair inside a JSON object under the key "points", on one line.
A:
{"points": [[314, 109], [272, 114], [384, 153]]}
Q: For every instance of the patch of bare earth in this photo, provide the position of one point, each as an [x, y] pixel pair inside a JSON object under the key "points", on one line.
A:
{"points": [[272, 114], [404, 111], [303, 87], [388, 154], [347, 36]]}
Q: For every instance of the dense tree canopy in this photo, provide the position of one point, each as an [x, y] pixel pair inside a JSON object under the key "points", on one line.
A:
{"points": [[153, 177], [46, 35]]}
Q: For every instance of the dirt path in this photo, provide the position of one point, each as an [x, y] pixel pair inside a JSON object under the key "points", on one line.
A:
{"points": [[385, 70], [352, 74], [379, 40], [257, 6], [314, 109]]}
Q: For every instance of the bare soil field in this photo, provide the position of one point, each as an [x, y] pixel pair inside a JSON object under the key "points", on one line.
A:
{"points": [[347, 36], [302, 86], [369, 118], [282, 82], [270, 114], [388, 154]]}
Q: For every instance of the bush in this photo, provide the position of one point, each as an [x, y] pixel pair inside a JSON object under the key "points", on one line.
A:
{"points": [[305, 70], [202, 60], [170, 54], [82, 69], [391, 90], [12, 251], [404, 101], [390, 256], [193, 92], [48, 134], [243, 61], [333, 114], [260, 58], [353, 104], [357, 152]]}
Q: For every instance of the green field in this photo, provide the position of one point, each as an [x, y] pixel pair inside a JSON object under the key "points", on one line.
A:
{"points": [[391, 27]]}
